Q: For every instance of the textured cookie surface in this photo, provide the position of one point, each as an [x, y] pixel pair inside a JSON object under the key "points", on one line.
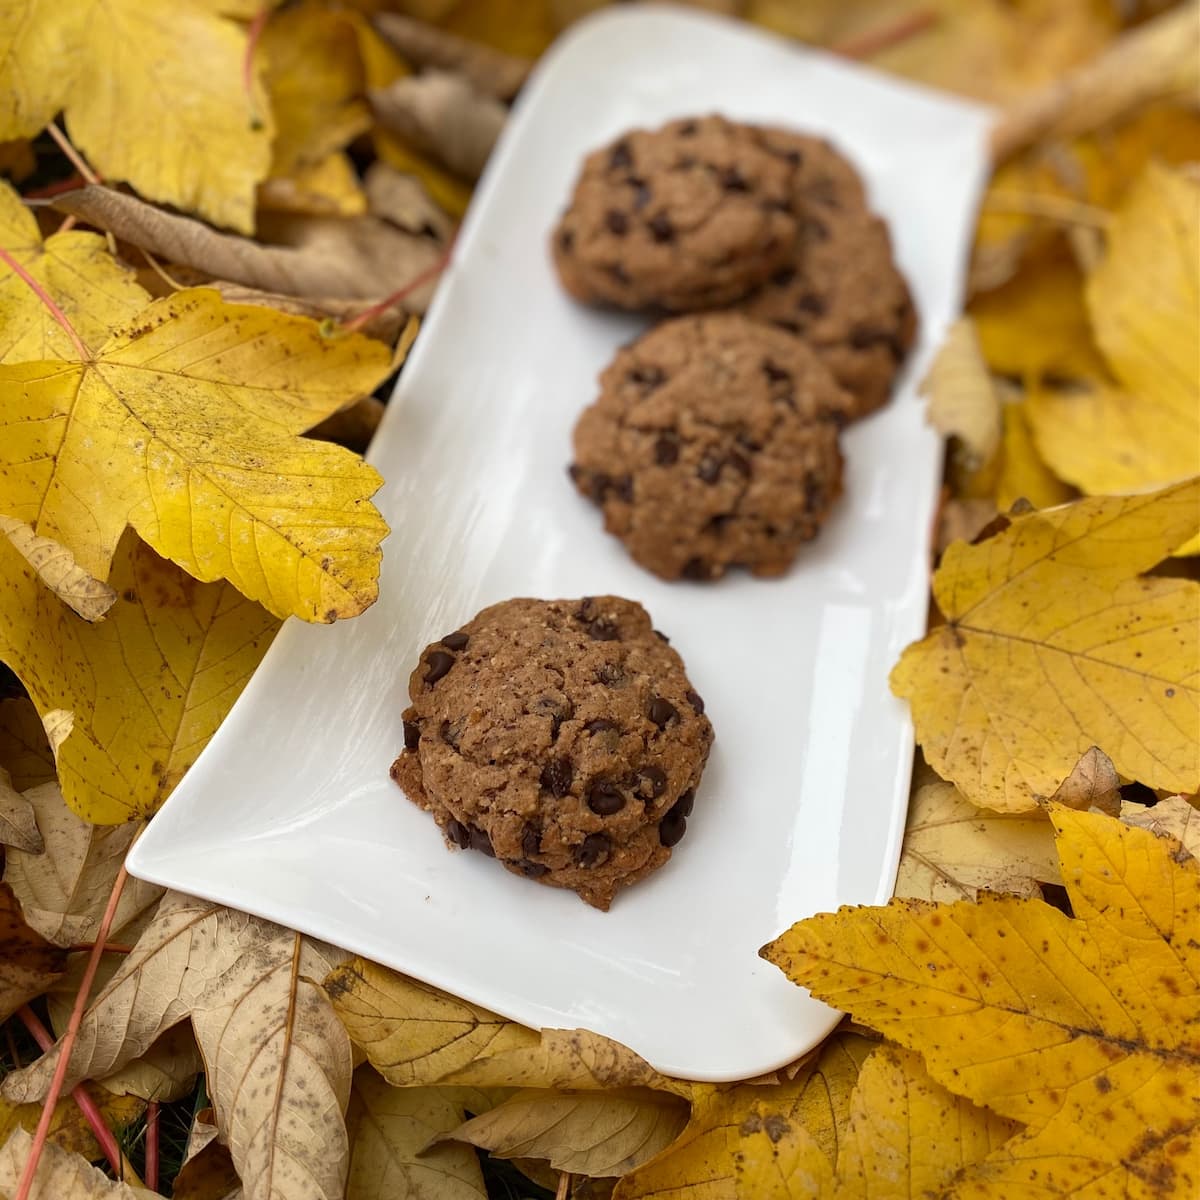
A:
{"points": [[713, 443], [561, 737], [840, 289], [688, 216]]}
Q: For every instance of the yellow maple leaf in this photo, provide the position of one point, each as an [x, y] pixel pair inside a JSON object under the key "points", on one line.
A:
{"points": [[1144, 301], [1023, 473], [153, 94], [1087, 1029], [185, 425], [148, 685], [91, 288], [1053, 644]]}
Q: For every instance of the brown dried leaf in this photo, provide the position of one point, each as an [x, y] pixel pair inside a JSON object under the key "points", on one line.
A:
{"points": [[352, 427], [1092, 783], [60, 1175], [953, 850], [28, 963], [57, 569], [63, 892], [962, 400], [351, 258], [24, 750], [489, 70], [390, 1129], [1177, 816], [600, 1134], [166, 1072], [440, 113], [403, 200], [386, 326], [18, 824]]}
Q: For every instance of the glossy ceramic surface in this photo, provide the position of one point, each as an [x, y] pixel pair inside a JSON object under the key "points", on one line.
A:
{"points": [[290, 813]]}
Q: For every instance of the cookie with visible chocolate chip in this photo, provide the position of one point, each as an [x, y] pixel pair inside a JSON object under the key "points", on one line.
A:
{"points": [[713, 443], [840, 290], [561, 737], [688, 216]]}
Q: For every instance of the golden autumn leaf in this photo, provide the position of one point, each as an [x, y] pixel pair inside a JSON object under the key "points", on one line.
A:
{"points": [[1023, 474], [1054, 643], [178, 126], [69, 1128], [130, 743], [18, 824], [29, 963], [414, 1035], [60, 1174], [390, 1134], [1087, 1029], [91, 288], [185, 425], [327, 188]]}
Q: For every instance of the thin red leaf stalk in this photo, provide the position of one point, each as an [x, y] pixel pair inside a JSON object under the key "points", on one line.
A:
{"points": [[44, 296], [151, 1173], [419, 280], [85, 1103], [67, 1044], [875, 41]]}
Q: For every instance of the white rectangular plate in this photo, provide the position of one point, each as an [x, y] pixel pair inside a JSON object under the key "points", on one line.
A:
{"points": [[290, 814]]}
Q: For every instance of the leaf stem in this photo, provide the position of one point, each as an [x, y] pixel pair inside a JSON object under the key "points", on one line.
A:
{"points": [[151, 1172], [85, 1103], [866, 45], [41, 293], [253, 34], [109, 947], [67, 1044], [564, 1185], [431, 272], [73, 156]]}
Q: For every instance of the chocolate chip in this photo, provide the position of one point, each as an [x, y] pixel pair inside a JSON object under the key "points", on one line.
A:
{"points": [[684, 805], [598, 485], [672, 828], [662, 637], [618, 272], [412, 735], [439, 664], [575, 471], [732, 180], [641, 193], [456, 641], [795, 157], [696, 568], [685, 162], [624, 488], [688, 129], [566, 240], [621, 156], [531, 841], [649, 782], [456, 831], [604, 630], [661, 228], [450, 734], [666, 449], [695, 700], [600, 725], [610, 675], [557, 775], [534, 870], [661, 711], [605, 798], [594, 849], [783, 276], [775, 373], [616, 221], [649, 377], [812, 227], [812, 304], [710, 466], [814, 493], [739, 463], [480, 840], [863, 337], [718, 523]]}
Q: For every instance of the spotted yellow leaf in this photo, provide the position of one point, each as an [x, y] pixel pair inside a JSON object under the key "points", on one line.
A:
{"points": [[185, 425], [1084, 1029], [147, 686], [1054, 643]]}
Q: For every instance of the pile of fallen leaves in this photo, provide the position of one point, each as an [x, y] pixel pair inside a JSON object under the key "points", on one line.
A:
{"points": [[218, 220]]}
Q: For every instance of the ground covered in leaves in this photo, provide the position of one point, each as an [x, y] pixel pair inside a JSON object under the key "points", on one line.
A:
{"points": [[219, 220]]}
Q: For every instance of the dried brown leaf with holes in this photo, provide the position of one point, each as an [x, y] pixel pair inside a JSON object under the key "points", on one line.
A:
{"points": [[18, 823]]}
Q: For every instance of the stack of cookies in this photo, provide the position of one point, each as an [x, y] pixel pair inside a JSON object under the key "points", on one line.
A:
{"points": [[714, 440]]}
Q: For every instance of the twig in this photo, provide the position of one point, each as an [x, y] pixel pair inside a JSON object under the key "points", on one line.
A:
{"points": [[109, 947], [160, 271], [866, 45], [1052, 208], [85, 1103], [253, 34], [564, 1185], [54, 189], [76, 159], [67, 1043], [13, 1052], [41, 293], [431, 272], [151, 1173]]}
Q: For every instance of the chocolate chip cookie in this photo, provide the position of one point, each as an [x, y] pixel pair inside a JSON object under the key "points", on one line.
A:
{"points": [[561, 737], [713, 443], [688, 216], [840, 290]]}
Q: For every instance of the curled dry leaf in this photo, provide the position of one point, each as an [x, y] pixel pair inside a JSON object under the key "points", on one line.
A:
{"points": [[602, 1133], [24, 750], [1154, 60], [1088, 1023], [489, 70], [385, 326], [92, 289], [1092, 783], [64, 891], [1054, 643], [390, 1134], [183, 128], [403, 200], [18, 824], [441, 114], [962, 400], [327, 188], [166, 1072], [1175, 817], [60, 1174], [56, 567], [199, 406], [415, 1035], [351, 258], [130, 744], [953, 850], [28, 963]]}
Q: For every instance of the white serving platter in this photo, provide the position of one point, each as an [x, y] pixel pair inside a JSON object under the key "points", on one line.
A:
{"points": [[289, 813]]}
